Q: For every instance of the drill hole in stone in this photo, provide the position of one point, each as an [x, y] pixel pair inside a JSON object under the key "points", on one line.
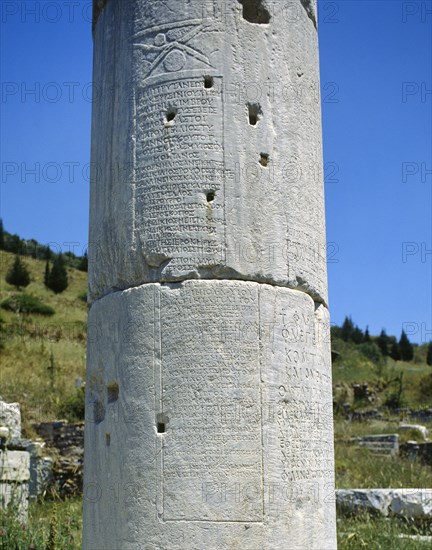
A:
{"points": [[170, 115], [264, 159], [108, 439], [112, 392], [255, 11], [98, 411], [210, 196], [208, 82], [254, 113], [161, 423]]}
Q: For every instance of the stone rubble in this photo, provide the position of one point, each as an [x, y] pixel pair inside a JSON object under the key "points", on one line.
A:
{"points": [[408, 503]]}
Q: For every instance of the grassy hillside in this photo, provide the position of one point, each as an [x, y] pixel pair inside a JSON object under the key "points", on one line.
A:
{"points": [[388, 387], [42, 356], [384, 376]]}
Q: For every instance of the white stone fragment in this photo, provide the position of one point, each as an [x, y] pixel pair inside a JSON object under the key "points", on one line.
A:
{"points": [[14, 477], [409, 503], [10, 417], [412, 503], [14, 466], [422, 430], [419, 538], [15, 495], [380, 443]]}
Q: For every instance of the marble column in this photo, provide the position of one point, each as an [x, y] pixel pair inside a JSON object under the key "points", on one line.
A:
{"points": [[209, 403]]}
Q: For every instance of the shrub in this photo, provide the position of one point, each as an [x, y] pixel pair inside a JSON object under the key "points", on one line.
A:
{"points": [[425, 387], [57, 278], [25, 303], [72, 408], [53, 531], [395, 352], [395, 400], [383, 343], [2, 333], [406, 349], [51, 525], [371, 351], [83, 263], [47, 274], [429, 355], [18, 274]]}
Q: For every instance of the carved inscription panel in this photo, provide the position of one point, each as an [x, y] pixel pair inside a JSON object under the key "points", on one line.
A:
{"points": [[245, 389], [224, 415], [211, 402], [179, 172], [298, 369]]}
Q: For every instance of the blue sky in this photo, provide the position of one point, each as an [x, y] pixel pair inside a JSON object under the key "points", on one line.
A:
{"points": [[376, 79]]}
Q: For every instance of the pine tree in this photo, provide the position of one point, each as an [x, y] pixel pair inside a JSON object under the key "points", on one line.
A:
{"points": [[46, 252], [335, 331], [357, 335], [429, 355], [51, 370], [395, 351], [58, 280], [18, 274], [366, 337], [15, 245], [382, 342], [83, 264], [47, 274], [406, 348], [32, 248], [347, 329], [2, 243]]}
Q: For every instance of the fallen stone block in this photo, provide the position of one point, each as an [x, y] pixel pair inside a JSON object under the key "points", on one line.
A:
{"points": [[14, 478], [387, 444], [407, 503], [421, 430]]}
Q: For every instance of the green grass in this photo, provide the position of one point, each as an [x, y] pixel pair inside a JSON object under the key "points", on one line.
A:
{"points": [[24, 303], [376, 533], [353, 367], [35, 535], [32, 344], [354, 533], [357, 467], [28, 341]]}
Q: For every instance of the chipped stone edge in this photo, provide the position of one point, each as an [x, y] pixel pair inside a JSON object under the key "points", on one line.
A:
{"points": [[385, 501], [305, 289]]}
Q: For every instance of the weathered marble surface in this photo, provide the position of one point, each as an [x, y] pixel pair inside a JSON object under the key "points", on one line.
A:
{"points": [[408, 503], [10, 417], [421, 430], [209, 407], [14, 481], [209, 419], [206, 153]]}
